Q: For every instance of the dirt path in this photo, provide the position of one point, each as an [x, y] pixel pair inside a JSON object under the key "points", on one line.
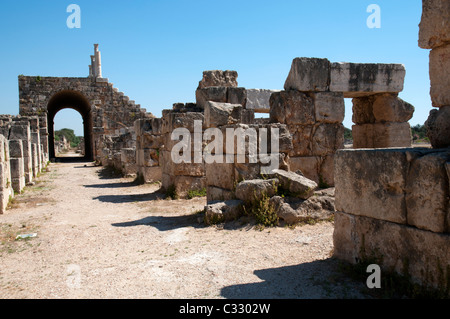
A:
{"points": [[102, 237]]}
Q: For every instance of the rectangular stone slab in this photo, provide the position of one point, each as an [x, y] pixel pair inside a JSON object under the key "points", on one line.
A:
{"points": [[360, 79]]}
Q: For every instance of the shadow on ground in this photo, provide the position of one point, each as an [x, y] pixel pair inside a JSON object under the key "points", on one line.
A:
{"points": [[166, 223], [319, 279], [118, 199]]}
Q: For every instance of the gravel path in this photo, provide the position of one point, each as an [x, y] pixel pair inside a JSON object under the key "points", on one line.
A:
{"points": [[103, 237]]}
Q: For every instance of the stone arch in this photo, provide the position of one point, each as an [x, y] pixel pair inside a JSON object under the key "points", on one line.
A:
{"points": [[77, 101]]}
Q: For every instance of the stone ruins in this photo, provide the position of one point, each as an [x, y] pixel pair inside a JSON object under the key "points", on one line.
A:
{"points": [[388, 200]]}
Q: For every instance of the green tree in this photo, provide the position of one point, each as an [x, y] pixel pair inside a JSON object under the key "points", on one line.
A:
{"points": [[69, 134]]}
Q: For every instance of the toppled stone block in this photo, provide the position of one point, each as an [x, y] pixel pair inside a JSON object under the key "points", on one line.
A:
{"points": [[329, 107], [308, 165], [371, 183], [438, 127], [294, 210], [218, 212], [219, 78], [359, 79], [439, 78], [427, 192], [258, 100], [297, 185], [390, 108], [434, 27], [292, 107], [308, 75], [254, 190]]}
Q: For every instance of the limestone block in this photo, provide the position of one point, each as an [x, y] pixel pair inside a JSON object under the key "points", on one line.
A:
{"points": [[220, 175], [172, 120], [218, 114], [327, 138], [359, 79], [439, 78], [371, 183], [294, 210], [329, 107], [438, 127], [424, 254], [219, 78], [184, 184], [308, 74], [301, 140], [390, 108], [434, 27], [258, 100], [222, 211], [254, 189], [326, 171], [151, 174], [16, 148], [17, 174], [151, 141], [291, 107], [297, 185], [237, 95], [363, 110], [20, 132], [189, 169], [242, 115], [427, 192], [218, 194], [381, 135], [308, 165], [213, 93]]}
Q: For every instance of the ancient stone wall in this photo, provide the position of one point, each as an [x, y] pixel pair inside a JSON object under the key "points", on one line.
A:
{"points": [[312, 105], [392, 205]]}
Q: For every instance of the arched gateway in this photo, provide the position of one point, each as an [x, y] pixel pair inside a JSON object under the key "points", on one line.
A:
{"points": [[103, 108]]}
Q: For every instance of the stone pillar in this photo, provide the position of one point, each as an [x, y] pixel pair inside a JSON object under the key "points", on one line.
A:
{"points": [[17, 165], [381, 121], [434, 34], [6, 191], [149, 144], [21, 131], [187, 175], [98, 62]]}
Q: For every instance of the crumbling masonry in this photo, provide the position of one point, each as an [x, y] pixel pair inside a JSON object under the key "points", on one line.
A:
{"points": [[401, 192]]}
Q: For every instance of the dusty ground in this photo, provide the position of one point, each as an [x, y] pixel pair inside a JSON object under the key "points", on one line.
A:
{"points": [[104, 237]]}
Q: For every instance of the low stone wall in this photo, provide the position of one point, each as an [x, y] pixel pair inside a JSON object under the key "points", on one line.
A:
{"points": [[394, 204]]}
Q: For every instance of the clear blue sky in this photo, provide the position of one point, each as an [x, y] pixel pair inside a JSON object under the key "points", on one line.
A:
{"points": [[156, 50]]}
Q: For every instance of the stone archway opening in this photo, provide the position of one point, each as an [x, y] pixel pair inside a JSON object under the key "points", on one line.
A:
{"points": [[73, 100]]}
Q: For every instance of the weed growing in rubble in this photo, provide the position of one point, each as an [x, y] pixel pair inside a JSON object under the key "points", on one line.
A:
{"points": [[263, 211]]}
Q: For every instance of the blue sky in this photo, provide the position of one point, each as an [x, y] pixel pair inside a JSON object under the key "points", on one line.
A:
{"points": [[156, 50]]}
